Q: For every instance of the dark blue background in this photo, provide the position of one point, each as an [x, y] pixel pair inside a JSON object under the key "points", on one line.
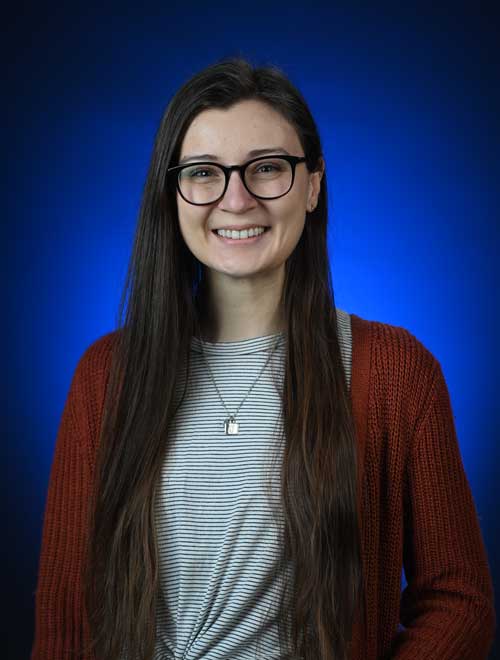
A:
{"points": [[407, 103]]}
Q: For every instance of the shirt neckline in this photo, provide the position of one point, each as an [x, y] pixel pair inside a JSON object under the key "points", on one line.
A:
{"points": [[239, 347]]}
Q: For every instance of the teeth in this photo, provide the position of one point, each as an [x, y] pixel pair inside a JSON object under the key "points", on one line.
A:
{"points": [[236, 235]]}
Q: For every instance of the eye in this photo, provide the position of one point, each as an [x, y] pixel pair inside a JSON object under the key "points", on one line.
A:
{"points": [[267, 167], [200, 172]]}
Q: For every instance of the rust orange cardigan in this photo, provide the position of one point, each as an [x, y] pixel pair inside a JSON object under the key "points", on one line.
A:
{"points": [[415, 506]]}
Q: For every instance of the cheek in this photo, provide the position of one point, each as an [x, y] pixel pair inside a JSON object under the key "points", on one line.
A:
{"points": [[186, 229], [289, 226], [296, 217], [183, 224], [296, 228], [190, 217], [292, 215], [295, 202], [192, 225]]}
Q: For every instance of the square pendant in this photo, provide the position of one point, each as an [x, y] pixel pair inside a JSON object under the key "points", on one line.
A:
{"points": [[231, 427]]}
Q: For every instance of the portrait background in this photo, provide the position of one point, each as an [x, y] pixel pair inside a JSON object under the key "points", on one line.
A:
{"points": [[407, 105]]}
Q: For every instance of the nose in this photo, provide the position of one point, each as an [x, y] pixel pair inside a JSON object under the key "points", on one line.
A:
{"points": [[236, 198]]}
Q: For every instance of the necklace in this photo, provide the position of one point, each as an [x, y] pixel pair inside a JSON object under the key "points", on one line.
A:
{"points": [[231, 426]]}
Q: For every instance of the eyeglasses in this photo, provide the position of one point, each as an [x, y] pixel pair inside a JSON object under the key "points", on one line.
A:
{"points": [[266, 177]]}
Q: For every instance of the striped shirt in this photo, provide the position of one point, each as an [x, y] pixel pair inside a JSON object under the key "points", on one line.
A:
{"points": [[218, 523]]}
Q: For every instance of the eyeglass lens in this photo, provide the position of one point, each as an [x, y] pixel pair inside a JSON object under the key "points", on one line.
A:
{"points": [[268, 177]]}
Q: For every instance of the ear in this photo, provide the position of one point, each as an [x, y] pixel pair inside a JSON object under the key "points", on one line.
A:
{"points": [[315, 185]]}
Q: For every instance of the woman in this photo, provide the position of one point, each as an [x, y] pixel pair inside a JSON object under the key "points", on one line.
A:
{"points": [[243, 470]]}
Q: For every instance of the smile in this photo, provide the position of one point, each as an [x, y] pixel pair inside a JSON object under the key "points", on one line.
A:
{"points": [[243, 241]]}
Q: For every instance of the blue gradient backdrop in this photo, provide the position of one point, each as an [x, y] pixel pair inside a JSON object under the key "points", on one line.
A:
{"points": [[407, 104]]}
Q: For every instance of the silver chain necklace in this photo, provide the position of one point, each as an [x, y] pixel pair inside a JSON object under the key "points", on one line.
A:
{"points": [[231, 426]]}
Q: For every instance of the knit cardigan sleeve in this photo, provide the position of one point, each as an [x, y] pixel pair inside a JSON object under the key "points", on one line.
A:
{"points": [[447, 606], [60, 625]]}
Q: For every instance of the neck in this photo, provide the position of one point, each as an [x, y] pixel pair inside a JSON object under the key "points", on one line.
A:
{"points": [[237, 309]]}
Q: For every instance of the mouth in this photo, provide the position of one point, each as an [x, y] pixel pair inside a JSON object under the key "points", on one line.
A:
{"points": [[242, 241]]}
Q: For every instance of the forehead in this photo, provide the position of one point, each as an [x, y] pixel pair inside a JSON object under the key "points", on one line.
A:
{"points": [[232, 132]]}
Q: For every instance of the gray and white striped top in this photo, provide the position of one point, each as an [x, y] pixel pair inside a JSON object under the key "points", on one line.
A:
{"points": [[218, 533]]}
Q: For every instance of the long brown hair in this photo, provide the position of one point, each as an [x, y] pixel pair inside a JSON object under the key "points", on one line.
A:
{"points": [[318, 472]]}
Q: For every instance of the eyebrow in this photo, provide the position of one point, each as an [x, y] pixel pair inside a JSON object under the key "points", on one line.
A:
{"points": [[251, 154]]}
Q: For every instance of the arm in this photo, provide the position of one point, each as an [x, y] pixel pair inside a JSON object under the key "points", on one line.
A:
{"points": [[58, 599], [447, 607]]}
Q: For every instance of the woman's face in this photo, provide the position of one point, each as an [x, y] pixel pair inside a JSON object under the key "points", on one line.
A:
{"points": [[230, 134]]}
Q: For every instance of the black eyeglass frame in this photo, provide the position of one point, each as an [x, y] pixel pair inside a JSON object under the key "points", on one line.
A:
{"points": [[228, 169]]}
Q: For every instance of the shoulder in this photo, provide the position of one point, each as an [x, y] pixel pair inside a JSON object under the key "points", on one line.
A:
{"points": [[394, 365], [391, 344], [88, 386], [97, 355], [94, 363]]}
